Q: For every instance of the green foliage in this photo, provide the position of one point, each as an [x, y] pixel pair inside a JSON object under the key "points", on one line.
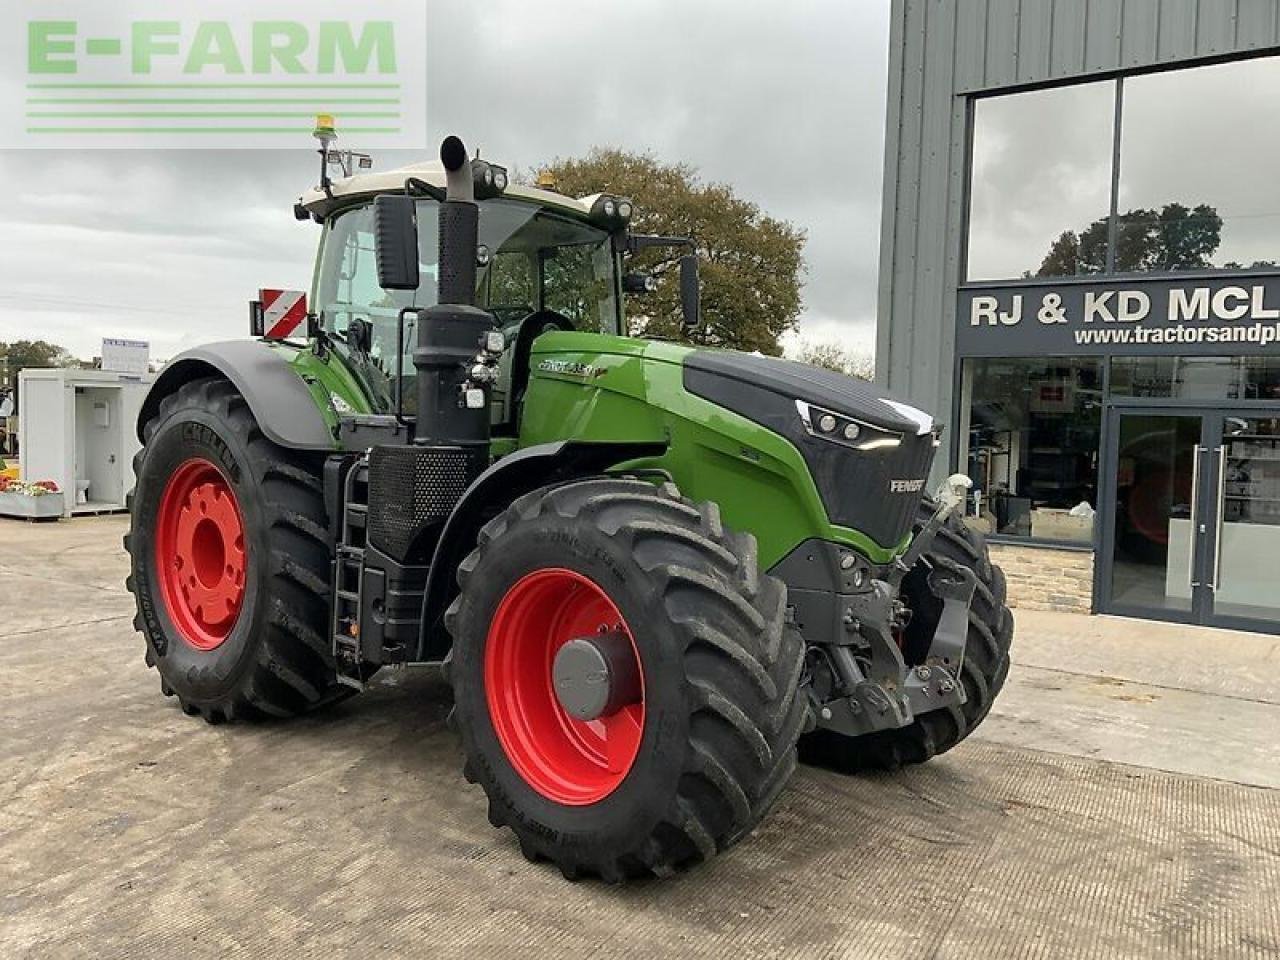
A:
{"points": [[751, 265], [30, 353], [1176, 237]]}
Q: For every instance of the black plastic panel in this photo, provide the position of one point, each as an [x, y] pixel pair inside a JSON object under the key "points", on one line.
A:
{"points": [[873, 491]]}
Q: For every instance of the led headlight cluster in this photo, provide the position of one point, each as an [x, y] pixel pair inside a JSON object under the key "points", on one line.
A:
{"points": [[838, 428], [612, 211], [490, 179]]}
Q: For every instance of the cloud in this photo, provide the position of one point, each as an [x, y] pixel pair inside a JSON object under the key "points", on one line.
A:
{"points": [[787, 108]]}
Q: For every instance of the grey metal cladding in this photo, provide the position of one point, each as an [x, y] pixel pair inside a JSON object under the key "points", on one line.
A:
{"points": [[1011, 42], [941, 51]]}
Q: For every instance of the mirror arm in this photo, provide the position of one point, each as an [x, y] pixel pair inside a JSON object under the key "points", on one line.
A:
{"points": [[644, 241]]}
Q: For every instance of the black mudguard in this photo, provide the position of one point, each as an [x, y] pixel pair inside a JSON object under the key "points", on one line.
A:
{"points": [[280, 401], [495, 489]]}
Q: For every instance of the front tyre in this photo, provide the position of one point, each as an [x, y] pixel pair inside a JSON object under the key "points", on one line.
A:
{"points": [[626, 685], [229, 561]]}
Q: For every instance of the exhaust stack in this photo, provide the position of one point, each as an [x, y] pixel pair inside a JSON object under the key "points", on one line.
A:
{"points": [[459, 225], [452, 410]]}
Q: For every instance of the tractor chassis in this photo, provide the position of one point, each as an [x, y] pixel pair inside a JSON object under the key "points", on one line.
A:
{"points": [[854, 633]]}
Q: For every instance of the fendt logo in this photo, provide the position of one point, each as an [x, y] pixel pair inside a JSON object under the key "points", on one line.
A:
{"points": [[906, 486], [231, 74]]}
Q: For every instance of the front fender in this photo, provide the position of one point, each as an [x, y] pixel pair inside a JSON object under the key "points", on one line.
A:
{"points": [[279, 399], [495, 489]]}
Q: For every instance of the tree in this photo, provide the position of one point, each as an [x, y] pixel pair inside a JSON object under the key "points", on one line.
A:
{"points": [[30, 353], [750, 264], [833, 356], [1176, 237]]}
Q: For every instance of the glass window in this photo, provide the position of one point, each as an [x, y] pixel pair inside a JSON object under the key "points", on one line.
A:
{"points": [[347, 294], [1041, 188], [547, 262], [539, 260], [1197, 378], [1029, 430], [1198, 187]]}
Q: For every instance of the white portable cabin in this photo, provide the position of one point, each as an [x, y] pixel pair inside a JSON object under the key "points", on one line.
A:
{"points": [[78, 429]]}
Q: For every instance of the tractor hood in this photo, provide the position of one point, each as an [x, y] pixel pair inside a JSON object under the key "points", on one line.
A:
{"points": [[857, 399], [868, 453]]}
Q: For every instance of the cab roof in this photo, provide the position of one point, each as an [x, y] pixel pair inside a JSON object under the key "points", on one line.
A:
{"points": [[343, 190]]}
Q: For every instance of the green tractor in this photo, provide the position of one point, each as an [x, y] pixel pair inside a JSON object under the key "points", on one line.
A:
{"points": [[654, 574]]}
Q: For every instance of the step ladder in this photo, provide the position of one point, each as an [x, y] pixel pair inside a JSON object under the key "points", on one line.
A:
{"points": [[348, 568]]}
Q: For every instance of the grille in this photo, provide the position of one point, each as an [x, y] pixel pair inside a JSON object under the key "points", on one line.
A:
{"points": [[856, 487], [412, 491]]}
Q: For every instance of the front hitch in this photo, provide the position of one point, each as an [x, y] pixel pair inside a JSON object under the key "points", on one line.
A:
{"points": [[881, 691]]}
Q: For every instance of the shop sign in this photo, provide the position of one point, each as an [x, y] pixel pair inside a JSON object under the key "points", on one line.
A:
{"points": [[1207, 316]]}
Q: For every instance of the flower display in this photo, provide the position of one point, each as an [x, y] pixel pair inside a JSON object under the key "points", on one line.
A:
{"points": [[37, 488]]}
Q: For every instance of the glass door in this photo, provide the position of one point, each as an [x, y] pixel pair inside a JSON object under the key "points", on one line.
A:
{"points": [[1153, 549], [1191, 523], [1242, 579]]}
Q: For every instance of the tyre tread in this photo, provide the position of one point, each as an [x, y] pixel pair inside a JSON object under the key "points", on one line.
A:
{"points": [[742, 665], [293, 670]]}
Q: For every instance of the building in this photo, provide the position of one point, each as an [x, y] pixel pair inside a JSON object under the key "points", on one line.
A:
{"points": [[78, 428], [1080, 242]]}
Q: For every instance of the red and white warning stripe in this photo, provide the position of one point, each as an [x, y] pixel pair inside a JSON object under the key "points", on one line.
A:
{"points": [[283, 311]]}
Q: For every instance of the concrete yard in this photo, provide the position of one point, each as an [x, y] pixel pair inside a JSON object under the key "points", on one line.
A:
{"points": [[1122, 801]]}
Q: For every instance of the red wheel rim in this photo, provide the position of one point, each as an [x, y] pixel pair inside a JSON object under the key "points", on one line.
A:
{"points": [[200, 555], [565, 759]]}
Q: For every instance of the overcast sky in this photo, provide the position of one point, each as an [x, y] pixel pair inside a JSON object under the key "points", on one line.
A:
{"points": [[785, 102]]}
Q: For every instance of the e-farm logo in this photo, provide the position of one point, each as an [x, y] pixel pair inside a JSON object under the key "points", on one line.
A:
{"points": [[227, 74]]}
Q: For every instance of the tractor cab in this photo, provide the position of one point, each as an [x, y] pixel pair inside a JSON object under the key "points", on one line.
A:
{"points": [[544, 262]]}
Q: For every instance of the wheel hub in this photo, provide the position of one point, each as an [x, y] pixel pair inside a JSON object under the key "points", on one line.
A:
{"points": [[596, 676], [200, 553]]}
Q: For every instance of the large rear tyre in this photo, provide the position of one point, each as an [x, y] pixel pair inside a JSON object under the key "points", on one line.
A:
{"points": [[229, 561], [986, 661], [695, 741]]}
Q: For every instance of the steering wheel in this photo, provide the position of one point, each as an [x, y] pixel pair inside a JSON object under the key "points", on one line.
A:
{"points": [[530, 328]]}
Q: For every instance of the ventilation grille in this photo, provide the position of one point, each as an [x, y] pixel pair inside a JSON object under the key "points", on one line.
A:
{"points": [[412, 491]]}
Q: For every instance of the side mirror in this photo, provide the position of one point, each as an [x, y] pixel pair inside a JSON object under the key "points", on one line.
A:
{"points": [[690, 298], [395, 231]]}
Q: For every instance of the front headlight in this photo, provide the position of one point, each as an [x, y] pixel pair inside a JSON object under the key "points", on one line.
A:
{"points": [[846, 431]]}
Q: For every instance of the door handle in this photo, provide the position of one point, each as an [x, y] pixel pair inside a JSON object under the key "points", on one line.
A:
{"points": [[1195, 503], [1222, 502]]}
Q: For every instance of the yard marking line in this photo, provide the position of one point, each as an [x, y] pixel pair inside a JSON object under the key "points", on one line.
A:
{"points": [[1147, 683], [63, 626]]}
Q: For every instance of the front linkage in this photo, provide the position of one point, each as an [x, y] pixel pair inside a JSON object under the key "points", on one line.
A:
{"points": [[859, 680]]}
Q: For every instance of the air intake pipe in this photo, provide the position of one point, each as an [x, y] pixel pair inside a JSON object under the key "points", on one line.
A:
{"points": [[453, 410]]}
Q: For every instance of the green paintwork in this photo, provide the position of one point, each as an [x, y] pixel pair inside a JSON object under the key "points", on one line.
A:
{"points": [[586, 386], [331, 383]]}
